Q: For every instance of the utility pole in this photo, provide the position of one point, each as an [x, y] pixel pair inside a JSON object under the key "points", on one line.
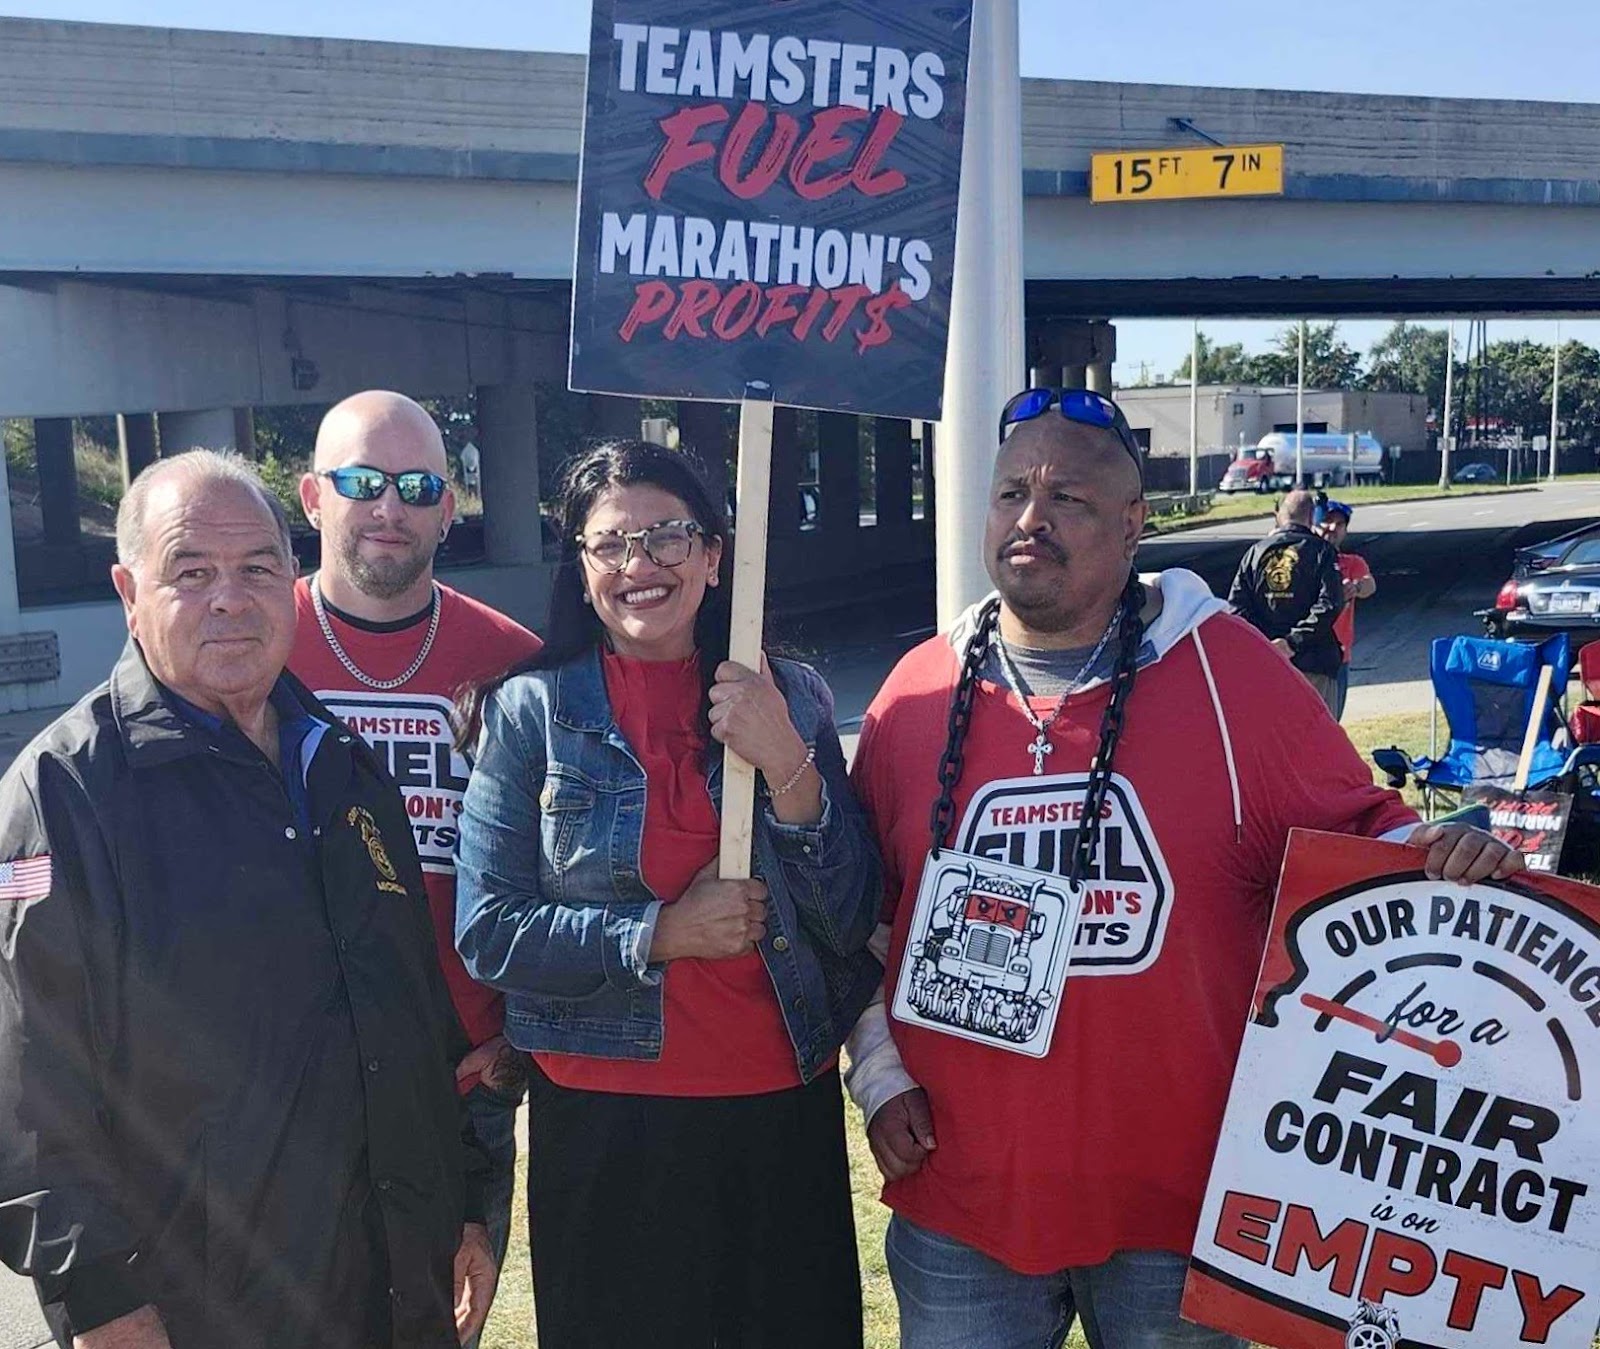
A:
{"points": [[1300, 415], [984, 366], [1449, 388], [1194, 411], [1555, 403]]}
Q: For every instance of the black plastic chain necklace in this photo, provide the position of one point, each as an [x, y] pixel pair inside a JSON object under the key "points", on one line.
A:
{"points": [[1087, 838]]}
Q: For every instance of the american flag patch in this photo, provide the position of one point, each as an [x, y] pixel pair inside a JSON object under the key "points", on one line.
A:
{"points": [[27, 878]]}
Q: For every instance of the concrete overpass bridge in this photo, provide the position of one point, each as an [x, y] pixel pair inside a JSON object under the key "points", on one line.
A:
{"points": [[196, 224]]}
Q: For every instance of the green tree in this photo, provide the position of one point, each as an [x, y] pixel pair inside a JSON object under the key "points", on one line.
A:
{"points": [[1580, 395], [1519, 384], [1219, 364], [1330, 362], [1410, 359]]}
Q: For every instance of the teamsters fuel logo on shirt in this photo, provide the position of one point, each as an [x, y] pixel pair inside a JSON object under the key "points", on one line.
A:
{"points": [[411, 733], [1031, 822]]}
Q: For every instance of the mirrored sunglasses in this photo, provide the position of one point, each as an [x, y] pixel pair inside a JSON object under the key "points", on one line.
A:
{"points": [[415, 487], [1083, 406]]}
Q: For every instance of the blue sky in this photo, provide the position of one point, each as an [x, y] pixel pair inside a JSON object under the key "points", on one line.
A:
{"points": [[1547, 49]]}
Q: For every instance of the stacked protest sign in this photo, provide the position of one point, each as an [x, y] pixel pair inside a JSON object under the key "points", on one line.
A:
{"points": [[768, 196], [1534, 823], [1408, 1153]]}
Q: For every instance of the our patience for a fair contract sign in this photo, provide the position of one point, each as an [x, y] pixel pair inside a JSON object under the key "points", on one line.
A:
{"points": [[1410, 1151], [768, 196]]}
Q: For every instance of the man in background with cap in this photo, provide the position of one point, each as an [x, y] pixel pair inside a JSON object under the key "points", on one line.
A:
{"points": [[1334, 525]]}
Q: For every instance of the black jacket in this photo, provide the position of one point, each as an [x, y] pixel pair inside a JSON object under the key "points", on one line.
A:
{"points": [[1288, 586], [226, 1051]]}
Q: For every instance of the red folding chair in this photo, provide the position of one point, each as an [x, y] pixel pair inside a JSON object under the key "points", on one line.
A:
{"points": [[1585, 720]]}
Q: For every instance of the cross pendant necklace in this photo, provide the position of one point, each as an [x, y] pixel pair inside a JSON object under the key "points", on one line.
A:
{"points": [[1041, 745]]}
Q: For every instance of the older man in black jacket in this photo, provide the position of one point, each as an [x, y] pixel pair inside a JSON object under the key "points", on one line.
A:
{"points": [[227, 1108], [1288, 588]]}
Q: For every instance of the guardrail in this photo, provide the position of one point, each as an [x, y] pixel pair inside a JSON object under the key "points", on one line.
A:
{"points": [[1178, 503]]}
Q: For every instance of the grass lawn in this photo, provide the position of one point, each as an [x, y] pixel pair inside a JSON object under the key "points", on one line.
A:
{"points": [[511, 1324], [1250, 505]]}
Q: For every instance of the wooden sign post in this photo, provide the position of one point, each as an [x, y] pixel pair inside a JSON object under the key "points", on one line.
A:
{"points": [[753, 496]]}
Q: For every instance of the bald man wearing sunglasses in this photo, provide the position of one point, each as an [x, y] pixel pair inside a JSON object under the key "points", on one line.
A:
{"points": [[386, 647]]}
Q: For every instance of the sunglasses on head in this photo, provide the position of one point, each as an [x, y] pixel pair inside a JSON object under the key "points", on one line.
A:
{"points": [[1083, 406], [415, 487]]}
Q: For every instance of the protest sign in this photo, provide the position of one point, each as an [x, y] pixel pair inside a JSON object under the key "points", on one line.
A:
{"points": [[768, 195], [1534, 823], [1406, 1158], [767, 212]]}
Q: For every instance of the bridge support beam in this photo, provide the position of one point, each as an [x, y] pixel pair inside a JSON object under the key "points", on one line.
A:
{"points": [[58, 480], [136, 443], [706, 429], [205, 429], [1072, 353], [508, 440], [615, 418]]}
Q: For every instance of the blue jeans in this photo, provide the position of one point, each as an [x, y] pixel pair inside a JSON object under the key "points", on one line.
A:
{"points": [[494, 1118], [954, 1297], [1341, 690]]}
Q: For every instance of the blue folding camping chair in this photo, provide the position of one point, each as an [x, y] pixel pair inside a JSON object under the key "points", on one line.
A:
{"points": [[1486, 689]]}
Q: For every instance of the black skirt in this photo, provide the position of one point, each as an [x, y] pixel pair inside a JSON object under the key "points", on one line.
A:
{"points": [[692, 1222]]}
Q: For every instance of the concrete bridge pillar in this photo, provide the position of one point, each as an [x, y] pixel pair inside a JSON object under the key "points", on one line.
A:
{"points": [[136, 443], [58, 480], [615, 418], [705, 429], [205, 429], [508, 440], [1072, 353]]}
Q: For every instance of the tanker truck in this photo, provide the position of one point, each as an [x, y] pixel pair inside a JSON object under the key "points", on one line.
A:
{"points": [[1269, 464]]}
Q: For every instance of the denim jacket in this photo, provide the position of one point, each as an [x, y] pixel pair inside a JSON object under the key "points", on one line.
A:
{"points": [[551, 908]]}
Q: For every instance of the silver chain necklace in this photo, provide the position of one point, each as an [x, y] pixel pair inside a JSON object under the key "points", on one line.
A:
{"points": [[1041, 745], [355, 670]]}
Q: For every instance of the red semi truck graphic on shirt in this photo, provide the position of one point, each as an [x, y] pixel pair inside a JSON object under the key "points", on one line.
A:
{"points": [[974, 967]]}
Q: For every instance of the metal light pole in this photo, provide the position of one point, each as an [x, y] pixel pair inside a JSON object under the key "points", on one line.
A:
{"points": [[1194, 411], [1555, 403], [1300, 415], [1449, 388], [984, 366]]}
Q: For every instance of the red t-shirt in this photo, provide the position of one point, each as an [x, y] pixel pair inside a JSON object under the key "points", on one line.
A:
{"points": [[409, 726], [1104, 1144], [722, 1030], [1351, 568]]}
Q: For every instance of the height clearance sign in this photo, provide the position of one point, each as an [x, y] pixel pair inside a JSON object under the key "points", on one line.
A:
{"points": [[768, 196], [1410, 1151]]}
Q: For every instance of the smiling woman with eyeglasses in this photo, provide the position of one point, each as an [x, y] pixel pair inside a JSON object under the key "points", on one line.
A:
{"points": [[686, 1126]]}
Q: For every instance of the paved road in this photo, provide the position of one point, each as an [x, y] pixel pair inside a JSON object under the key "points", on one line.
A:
{"points": [[1435, 562]]}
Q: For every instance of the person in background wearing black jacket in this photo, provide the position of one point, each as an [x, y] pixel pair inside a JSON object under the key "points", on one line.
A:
{"points": [[227, 1109], [1288, 588]]}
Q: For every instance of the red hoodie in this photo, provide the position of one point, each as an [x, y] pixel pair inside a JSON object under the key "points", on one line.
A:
{"points": [[409, 726], [1104, 1144]]}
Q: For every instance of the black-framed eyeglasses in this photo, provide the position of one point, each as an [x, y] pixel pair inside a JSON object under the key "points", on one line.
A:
{"points": [[415, 487], [667, 543], [1083, 406]]}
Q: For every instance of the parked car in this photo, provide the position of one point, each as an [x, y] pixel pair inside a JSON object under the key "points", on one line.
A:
{"points": [[1475, 473], [1554, 587]]}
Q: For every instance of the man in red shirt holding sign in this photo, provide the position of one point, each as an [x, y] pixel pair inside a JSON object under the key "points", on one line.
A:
{"points": [[386, 647], [1107, 799]]}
